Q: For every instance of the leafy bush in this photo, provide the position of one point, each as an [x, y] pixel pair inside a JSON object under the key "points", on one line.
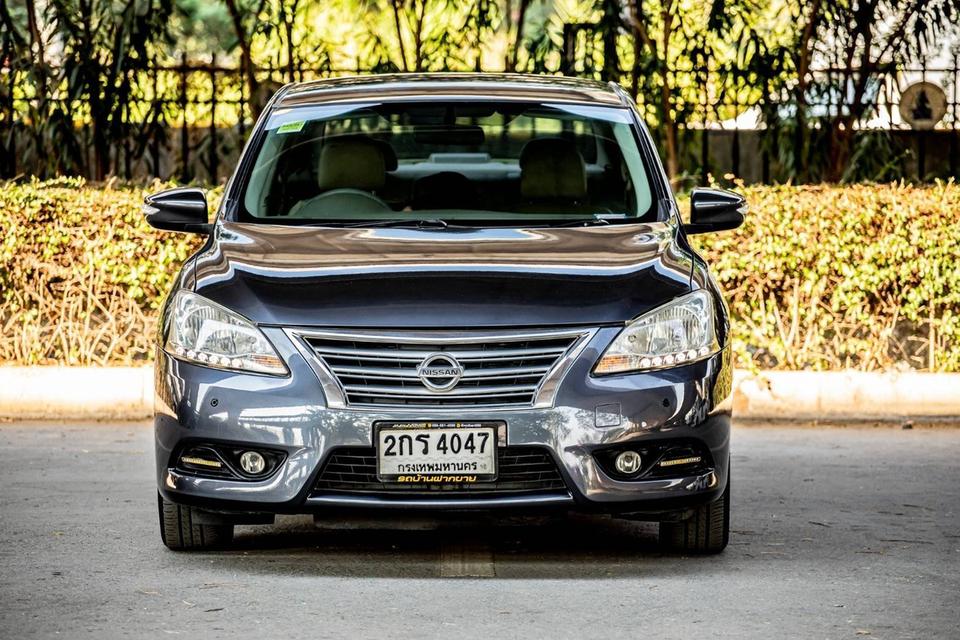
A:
{"points": [[819, 277], [81, 273], [827, 277]]}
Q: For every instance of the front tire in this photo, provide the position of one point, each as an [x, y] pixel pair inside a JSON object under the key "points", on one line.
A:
{"points": [[707, 531], [180, 531]]}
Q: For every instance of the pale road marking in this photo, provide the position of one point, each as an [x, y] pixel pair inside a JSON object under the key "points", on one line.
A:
{"points": [[465, 559]]}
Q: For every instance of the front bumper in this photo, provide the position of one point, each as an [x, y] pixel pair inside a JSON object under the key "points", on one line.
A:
{"points": [[289, 414]]}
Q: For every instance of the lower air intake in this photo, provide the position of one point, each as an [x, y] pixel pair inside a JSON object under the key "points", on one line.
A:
{"points": [[521, 471]]}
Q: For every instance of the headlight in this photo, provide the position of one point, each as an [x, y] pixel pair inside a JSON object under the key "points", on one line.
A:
{"points": [[680, 331], [205, 333]]}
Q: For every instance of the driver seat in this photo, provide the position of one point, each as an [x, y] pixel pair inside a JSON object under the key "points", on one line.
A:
{"points": [[350, 171]]}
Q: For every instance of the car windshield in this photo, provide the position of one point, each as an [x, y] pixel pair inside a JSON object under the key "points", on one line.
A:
{"points": [[469, 163]]}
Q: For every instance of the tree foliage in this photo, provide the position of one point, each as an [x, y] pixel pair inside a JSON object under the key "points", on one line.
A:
{"points": [[99, 45], [78, 62], [852, 41]]}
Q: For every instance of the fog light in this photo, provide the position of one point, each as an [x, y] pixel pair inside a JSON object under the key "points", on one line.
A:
{"points": [[628, 462], [252, 462]]}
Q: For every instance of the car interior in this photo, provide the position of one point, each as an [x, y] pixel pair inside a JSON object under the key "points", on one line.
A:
{"points": [[486, 163]]}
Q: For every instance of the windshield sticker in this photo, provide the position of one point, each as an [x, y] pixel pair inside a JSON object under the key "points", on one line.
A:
{"points": [[292, 127]]}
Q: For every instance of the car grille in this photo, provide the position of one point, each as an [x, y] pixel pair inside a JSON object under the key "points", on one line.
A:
{"points": [[520, 470], [496, 370]]}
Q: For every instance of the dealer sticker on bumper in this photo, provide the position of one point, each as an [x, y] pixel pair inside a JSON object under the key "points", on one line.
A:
{"points": [[443, 452]]}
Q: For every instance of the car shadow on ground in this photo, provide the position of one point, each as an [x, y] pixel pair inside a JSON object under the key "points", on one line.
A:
{"points": [[577, 547]]}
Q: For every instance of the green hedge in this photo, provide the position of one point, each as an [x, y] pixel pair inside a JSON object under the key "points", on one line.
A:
{"points": [[819, 277], [830, 277], [81, 273]]}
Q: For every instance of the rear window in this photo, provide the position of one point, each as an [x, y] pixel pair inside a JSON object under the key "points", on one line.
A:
{"points": [[456, 161]]}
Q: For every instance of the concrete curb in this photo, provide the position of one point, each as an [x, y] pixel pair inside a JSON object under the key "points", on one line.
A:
{"points": [[76, 393], [846, 395], [126, 393]]}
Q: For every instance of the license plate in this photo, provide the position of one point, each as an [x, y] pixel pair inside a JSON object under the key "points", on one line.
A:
{"points": [[437, 452]]}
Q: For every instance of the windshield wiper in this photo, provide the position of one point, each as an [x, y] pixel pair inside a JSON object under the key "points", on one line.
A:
{"points": [[439, 223], [586, 222], [428, 223]]}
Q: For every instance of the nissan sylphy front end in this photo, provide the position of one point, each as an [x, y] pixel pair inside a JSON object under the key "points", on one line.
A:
{"points": [[447, 293]]}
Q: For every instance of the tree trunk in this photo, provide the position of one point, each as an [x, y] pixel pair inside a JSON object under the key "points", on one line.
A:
{"points": [[37, 39], [671, 145], [840, 150], [518, 36], [396, 21], [418, 34], [660, 56], [90, 71], [803, 60], [610, 24], [39, 62], [637, 55], [288, 18], [246, 56]]}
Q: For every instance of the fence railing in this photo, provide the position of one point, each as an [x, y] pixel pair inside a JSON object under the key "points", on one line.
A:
{"points": [[726, 106], [188, 121]]}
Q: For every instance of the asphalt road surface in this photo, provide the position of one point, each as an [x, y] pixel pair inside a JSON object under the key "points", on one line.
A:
{"points": [[837, 533]]}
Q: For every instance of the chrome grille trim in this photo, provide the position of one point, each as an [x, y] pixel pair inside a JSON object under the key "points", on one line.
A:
{"points": [[466, 392], [356, 374], [463, 355]]}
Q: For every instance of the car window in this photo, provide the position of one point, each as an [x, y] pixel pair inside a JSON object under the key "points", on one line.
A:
{"points": [[472, 162]]}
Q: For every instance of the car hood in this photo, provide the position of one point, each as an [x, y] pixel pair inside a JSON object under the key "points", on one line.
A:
{"points": [[443, 278]]}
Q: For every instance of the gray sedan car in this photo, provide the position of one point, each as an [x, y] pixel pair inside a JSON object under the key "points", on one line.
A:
{"points": [[445, 293]]}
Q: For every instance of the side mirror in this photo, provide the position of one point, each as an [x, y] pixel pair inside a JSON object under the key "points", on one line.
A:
{"points": [[715, 210], [180, 209]]}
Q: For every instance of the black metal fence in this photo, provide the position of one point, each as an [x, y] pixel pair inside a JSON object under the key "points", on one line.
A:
{"points": [[750, 148], [722, 130], [188, 121]]}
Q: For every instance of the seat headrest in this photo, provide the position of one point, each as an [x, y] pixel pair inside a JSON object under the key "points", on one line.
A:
{"points": [[552, 168], [352, 163], [444, 190]]}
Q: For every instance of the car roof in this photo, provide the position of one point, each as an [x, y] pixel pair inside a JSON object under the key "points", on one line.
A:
{"points": [[466, 86]]}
